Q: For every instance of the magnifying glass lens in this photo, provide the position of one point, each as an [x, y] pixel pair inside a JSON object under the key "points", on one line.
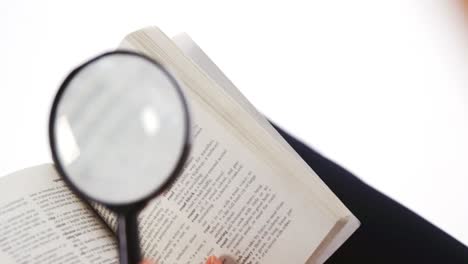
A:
{"points": [[119, 128]]}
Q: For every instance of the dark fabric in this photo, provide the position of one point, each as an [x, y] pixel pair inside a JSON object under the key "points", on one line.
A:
{"points": [[389, 232]]}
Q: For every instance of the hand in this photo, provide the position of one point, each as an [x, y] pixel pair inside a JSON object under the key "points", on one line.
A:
{"points": [[210, 260]]}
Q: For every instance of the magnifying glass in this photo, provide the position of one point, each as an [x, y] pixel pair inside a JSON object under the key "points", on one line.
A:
{"points": [[119, 135]]}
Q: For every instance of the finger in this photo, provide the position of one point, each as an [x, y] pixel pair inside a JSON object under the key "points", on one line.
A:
{"points": [[209, 260], [147, 261], [213, 260]]}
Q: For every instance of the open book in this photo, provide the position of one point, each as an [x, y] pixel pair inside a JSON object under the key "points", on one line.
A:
{"points": [[243, 194]]}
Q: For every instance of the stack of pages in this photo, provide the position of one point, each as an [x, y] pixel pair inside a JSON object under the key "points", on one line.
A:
{"points": [[244, 194]]}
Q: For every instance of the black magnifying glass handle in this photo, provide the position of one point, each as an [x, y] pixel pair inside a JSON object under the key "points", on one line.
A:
{"points": [[127, 234]]}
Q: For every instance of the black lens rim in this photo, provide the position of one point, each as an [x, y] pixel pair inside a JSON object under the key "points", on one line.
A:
{"points": [[53, 144]]}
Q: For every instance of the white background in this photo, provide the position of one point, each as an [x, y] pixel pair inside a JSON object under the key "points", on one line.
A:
{"points": [[378, 86]]}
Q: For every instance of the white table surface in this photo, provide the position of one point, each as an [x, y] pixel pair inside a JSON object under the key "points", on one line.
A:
{"points": [[378, 86]]}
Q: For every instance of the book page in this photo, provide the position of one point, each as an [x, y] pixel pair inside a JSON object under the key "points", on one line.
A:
{"points": [[42, 221], [348, 224]]}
